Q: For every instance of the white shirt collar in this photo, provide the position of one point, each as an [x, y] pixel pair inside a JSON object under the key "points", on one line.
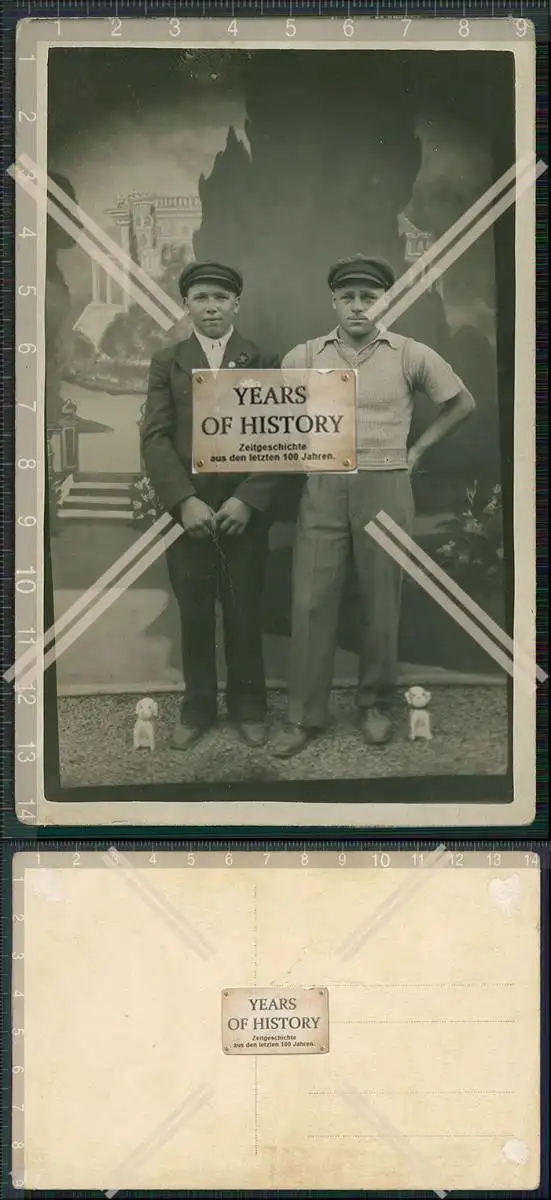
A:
{"points": [[382, 335], [213, 347]]}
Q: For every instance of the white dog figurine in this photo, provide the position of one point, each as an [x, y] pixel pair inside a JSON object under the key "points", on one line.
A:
{"points": [[144, 727], [419, 717]]}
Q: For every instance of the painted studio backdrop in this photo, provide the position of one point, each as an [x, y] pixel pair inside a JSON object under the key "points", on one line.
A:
{"points": [[278, 162]]}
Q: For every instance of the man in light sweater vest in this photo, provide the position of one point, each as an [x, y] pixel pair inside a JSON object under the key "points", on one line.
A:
{"points": [[335, 508]]}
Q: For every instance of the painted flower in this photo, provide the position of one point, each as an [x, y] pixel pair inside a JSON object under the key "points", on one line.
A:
{"points": [[145, 505]]}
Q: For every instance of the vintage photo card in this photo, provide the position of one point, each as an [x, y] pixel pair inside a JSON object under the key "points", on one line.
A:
{"points": [[276, 422], [243, 1020]]}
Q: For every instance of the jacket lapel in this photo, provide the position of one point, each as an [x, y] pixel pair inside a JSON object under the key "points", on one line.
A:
{"points": [[236, 350], [190, 355]]}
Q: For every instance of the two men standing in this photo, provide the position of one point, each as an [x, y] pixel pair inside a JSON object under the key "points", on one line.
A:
{"points": [[226, 518]]}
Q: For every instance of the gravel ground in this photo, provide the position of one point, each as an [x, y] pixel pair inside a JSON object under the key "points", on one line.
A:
{"points": [[469, 727]]}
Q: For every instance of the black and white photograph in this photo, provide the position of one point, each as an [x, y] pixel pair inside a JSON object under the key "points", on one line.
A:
{"points": [[299, 634], [396, 1044]]}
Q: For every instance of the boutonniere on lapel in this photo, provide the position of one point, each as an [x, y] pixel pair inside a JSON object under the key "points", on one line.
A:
{"points": [[242, 361]]}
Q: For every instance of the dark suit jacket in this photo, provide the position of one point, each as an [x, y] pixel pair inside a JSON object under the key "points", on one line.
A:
{"points": [[166, 435]]}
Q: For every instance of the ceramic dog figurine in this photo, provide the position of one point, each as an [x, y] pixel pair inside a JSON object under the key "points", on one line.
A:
{"points": [[419, 718], [144, 726]]}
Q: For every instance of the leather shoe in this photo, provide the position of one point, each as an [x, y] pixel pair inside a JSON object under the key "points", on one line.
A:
{"points": [[185, 736], [376, 727], [292, 740], [253, 733]]}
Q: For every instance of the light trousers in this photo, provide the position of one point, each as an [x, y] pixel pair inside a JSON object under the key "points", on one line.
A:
{"points": [[333, 513]]}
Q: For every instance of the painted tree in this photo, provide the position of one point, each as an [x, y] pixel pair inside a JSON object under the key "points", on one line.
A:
{"points": [[133, 336], [322, 181]]}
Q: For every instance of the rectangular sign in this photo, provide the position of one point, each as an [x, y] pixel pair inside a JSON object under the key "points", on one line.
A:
{"points": [[292, 420], [275, 1020]]}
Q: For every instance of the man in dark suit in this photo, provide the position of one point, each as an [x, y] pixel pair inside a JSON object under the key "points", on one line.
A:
{"points": [[225, 518]]}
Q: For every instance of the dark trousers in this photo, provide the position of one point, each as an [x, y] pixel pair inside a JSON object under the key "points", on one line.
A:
{"points": [[333, 513], [230, 569]]}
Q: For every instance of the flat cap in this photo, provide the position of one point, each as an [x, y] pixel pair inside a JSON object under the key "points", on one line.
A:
{"points": [[361, 267], [212, 272]]}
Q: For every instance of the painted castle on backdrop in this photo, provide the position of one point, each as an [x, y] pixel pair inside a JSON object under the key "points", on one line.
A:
{"points": [[152, 231]]}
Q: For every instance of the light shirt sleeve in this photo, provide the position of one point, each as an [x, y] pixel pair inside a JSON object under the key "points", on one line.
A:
{"points": [[428, 372]]}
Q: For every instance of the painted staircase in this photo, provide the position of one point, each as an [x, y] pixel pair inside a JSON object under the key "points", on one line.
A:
{"points": [[99, 498]]}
